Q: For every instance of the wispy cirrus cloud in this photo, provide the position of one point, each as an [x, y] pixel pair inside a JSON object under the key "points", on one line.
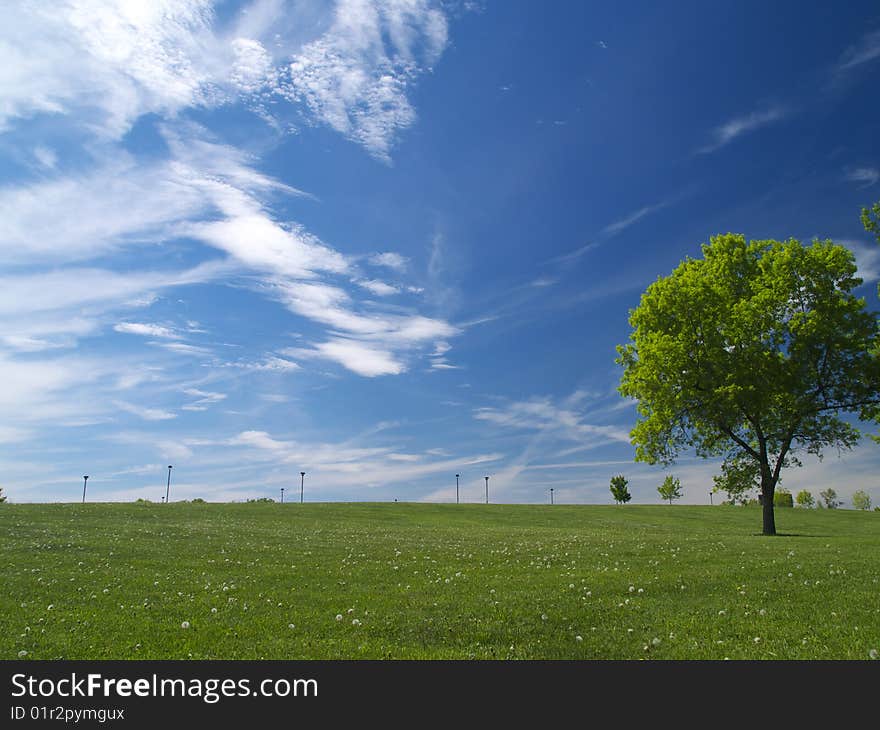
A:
{"points": [[564, 419], [736, 127], [867, 176], [356, 76], [865, 50], [617, 226], [147, 330]]}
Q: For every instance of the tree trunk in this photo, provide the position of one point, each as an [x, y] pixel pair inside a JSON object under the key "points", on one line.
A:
{"points": [[768, 487]]}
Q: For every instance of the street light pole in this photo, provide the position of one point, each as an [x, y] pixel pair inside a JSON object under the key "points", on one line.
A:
{"points": [[282, 495], [168, 484], [710, 498], [551, 495], [302, 481], [85, 481], [487, 489], [456, 488]]}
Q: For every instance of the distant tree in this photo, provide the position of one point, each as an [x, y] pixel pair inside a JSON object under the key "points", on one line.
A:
{"points": [[829, 497], [2, 496], [756, 352], [782, 498], [670, 489], [805, 499], [618, 489], [861, 500]]}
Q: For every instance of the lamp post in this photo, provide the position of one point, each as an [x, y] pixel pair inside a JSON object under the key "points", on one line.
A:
{"points": [[456, 488], [282, 495], [168, 484], [85, 481], [710, 498], [302, 481], [487, 489], [551, 495]]}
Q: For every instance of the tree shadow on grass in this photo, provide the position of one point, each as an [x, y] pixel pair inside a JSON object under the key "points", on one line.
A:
{"points": [[787, 534]]}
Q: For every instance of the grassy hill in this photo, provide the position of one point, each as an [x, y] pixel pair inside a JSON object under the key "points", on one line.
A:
{"points": [[327, 581]]}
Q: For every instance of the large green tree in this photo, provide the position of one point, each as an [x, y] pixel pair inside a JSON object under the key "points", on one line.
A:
{"points": [[754, 353]]}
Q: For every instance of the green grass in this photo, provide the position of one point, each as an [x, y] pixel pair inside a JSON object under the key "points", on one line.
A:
{"points": [[102, 581]]}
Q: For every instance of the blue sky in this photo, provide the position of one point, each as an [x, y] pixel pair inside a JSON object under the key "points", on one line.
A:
{"points": [[388, 241]]}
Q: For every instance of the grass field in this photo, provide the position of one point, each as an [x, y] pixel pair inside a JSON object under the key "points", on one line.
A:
{"points": [[358, 581]]}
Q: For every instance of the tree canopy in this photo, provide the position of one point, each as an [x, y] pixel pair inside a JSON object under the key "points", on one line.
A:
{"points": [[670, 488], [753, 353], [619, 490]]}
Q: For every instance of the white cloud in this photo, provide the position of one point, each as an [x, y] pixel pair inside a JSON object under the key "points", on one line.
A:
{"points": [[866, 175], [867, 259], [181, 348], [148, 414], [357, 356], [379, 288], [736, 127], [867, 49], [355, 77], [390, 260], [147, 330], [616, 227], [204, 399], [46, 157], [542, 414]]}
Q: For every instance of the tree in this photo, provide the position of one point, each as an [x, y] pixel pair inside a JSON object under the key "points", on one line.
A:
{"points": [[805, 499], [752, 353], [670, 489], [871, 219], [829, 497], [738, 478], [618, 489], [782, 498], [2, 496], [861, 500]]}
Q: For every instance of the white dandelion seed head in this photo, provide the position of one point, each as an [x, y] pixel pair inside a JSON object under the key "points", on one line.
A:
{"points": [[581, 638], [213, 610], [184, 625], [873, 654], [22, 654], [291, 626], [339, 617], [656, 641]]}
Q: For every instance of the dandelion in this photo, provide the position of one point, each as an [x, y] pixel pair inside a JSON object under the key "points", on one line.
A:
{"points": [[641, 590], [22, 654], [762, 612], [291, 626], [632, 588], [184, 625], [873, 654], [757, 639], [543, 617], [656, 641], [213, 610], [722, 612], [355, 622], [50, 606], [581, 638], [339, 617], [351, 610]]}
